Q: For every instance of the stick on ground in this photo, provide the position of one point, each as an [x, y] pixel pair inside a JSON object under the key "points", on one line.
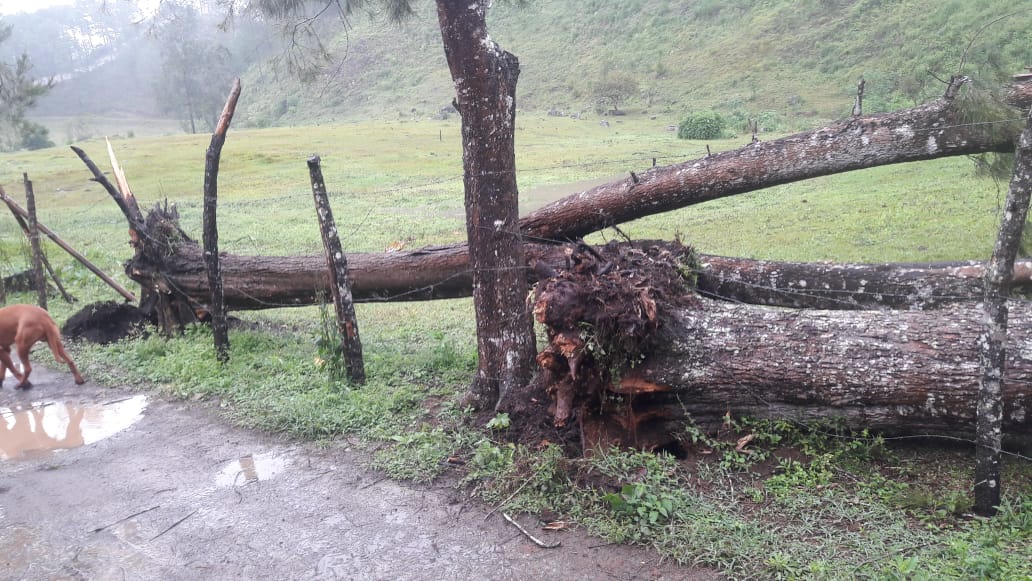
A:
{"points": [[537, 541]]}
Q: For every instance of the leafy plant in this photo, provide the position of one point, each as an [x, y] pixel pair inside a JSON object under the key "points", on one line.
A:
{"points": [[501, 421], [331, 356], [702, 125], [490, 459], [640, 503]]}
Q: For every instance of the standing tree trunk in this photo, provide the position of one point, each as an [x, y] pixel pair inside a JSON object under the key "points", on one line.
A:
{"points": [[992, 342], [485, 87]]}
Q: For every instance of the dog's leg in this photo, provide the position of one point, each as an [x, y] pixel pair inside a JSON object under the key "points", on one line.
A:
{"points": [[57, 348], [23, 354], [6, 363], [61, 355]]}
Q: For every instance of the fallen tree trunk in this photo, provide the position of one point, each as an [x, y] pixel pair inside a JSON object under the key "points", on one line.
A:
{"points": [[901, 373], [441, 272], [636, 359], [848, 286], [941, 128]]}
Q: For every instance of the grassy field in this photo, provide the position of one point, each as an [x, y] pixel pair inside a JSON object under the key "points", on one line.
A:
{"points": [[805, 504]]}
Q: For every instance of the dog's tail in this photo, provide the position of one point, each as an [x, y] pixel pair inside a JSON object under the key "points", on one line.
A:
{"points": [[56, 346]]}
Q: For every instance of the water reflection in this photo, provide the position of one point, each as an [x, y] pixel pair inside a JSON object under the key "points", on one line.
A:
{"points": [[43, 427], [251, 468]]}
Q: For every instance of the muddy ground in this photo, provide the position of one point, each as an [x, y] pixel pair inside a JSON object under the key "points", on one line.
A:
{"points": [[152, 489]]}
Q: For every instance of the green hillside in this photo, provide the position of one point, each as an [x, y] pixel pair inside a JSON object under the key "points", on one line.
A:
{"points": [[795, 61]]}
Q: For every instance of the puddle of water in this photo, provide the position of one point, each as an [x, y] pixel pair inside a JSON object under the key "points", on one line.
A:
{"points": [[251, 468], [46, 427]]}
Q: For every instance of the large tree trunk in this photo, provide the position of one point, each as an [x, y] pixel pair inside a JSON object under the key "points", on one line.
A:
{"points": [[485, 87], [641, 354]]}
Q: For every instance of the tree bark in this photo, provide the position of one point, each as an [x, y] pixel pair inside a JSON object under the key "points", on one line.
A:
{"points": [[992, 341], [899, 373], [848, 286], [485, 86]]}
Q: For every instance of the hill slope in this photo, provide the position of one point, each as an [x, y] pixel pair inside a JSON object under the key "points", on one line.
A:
{"points": [[797, 58]]}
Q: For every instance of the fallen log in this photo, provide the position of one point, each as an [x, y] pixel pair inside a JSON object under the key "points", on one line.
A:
{"points": [[442, 272], [941, 128], [848, 286], [635, 359]]}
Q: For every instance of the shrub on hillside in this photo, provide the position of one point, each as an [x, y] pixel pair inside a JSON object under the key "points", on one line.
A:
{"points": [[702, 125]]}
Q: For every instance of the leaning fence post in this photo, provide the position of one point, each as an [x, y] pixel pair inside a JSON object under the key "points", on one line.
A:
{"points": [[37, 252], [993, 339], [340, 285]]}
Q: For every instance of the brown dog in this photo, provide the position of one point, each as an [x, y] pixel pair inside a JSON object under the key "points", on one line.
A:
{"points": [[23, 326]]}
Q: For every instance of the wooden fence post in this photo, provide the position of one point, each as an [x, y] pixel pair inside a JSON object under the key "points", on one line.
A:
{"points": [[340, 285], [37, 253], [219, 327], [993, 339]]}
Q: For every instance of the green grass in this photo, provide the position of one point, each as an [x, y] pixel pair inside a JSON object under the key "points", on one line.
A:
{"points": [[799, 504]]}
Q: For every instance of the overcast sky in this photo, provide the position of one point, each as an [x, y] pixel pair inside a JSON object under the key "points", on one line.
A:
{"points": [[13, 6]]}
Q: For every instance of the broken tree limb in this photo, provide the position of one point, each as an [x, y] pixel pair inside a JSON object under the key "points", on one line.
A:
{"points": [[665, 357], [937, 129], [126, 203], [442, 272]]}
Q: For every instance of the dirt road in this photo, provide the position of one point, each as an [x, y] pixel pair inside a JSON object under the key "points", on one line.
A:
{"points": [[154, 489]]}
